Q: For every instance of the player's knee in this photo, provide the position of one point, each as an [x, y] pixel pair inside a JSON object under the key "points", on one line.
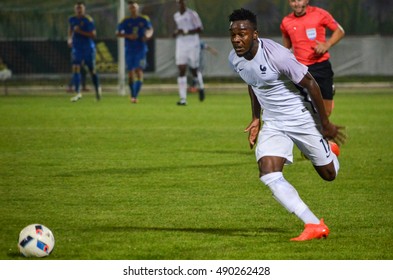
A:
{"points": [[327, 172], [269, 178], [330, 175]]}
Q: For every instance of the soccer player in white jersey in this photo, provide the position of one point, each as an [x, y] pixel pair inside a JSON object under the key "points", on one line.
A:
{"points": [[289, 115], [188, 27]]}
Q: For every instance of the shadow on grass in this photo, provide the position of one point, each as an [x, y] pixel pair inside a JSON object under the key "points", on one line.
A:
{"points": [[137, 170], [244, 152], [213, 231]]}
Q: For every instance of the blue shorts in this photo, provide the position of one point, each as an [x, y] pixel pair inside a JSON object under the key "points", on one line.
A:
{"points": [[323, 75], [87, 57], [136, 60]]}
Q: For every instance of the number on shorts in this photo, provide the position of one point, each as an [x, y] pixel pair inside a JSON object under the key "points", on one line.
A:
{"points": [[325, 145]]}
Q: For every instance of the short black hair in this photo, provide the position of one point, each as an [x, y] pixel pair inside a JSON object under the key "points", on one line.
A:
{"points": [[244, 14]]}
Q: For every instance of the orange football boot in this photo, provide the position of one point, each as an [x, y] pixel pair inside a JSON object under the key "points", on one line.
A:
{"points": [[313, 231], [334, 148]]}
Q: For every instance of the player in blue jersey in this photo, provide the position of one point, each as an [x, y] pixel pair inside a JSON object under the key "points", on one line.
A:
{"points": [[136, 29], [81, 32]]}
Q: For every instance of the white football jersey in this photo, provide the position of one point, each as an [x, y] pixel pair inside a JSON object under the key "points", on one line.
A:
{"points": [[273, 73], [189, 20]]}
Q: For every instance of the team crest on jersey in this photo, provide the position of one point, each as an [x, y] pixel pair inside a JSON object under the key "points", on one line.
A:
{"points": [[311, 33]]}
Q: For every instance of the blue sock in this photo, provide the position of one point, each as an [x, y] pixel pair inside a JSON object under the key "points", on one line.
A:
{"points": [[96, 84], [137, 86], [76, 80], [132, 89]]}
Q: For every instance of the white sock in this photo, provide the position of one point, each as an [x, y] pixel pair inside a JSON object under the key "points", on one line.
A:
{"points": [[200, 80], [288, 197], [182, 84]]}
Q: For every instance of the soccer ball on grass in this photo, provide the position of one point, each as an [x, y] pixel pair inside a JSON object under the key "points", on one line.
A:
{"points": [[36, 240]]}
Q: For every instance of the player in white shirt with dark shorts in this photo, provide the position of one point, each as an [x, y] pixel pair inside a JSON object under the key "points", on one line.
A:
{"points": [[274, 77], [188, 27]]}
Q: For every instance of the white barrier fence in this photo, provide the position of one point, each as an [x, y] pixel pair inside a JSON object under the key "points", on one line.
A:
{"points": [[363, 56]]}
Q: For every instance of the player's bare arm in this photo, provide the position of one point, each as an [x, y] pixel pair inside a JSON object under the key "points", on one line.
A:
{"points": [[329, 130], [308, 82], [286, 41], [69, 37], [255, 125], [323, 47], [148, 34]]}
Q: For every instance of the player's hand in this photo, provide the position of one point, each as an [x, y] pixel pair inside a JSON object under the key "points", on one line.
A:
{"points": [[180, 32], [321, 47], [253, 130], [132, 36], [76, 28], [335, 133], [69, 42]]}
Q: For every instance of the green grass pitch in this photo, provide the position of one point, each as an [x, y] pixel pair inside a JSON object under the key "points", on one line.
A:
{"points": [[114, 180]]}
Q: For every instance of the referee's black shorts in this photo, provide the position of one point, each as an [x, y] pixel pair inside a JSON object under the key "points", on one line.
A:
{"points": [[323, 74]]}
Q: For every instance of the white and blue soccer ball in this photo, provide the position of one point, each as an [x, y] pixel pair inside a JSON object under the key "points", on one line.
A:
{"points": [[36, 240]]}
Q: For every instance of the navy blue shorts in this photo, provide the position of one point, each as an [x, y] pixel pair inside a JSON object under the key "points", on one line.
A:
{"points": [[87, 57], [136, 60], [323, 74]]}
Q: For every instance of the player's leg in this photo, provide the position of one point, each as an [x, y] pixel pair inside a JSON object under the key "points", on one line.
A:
{"points": [[198, 80], [138, 82], [273, 150], [319, 151], [83, 78], [76, 75], [90, 61], [131, 75], [193, 83], [197, 75], [130, 71], [76, 80], [311, 143], [201, 86], [181, 63], [141, 65], [182, 84], [326, 170], [131, 63], [194, 77]]}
